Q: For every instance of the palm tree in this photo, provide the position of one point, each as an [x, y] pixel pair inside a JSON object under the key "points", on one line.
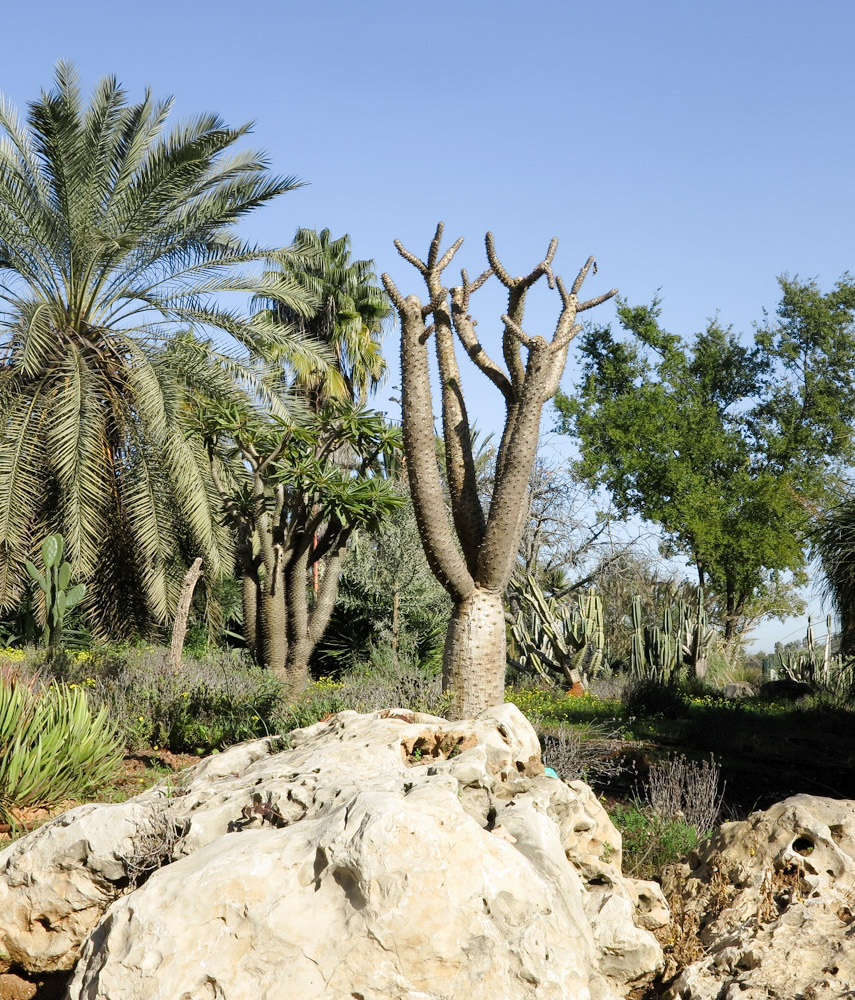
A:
{"points": [[834, 541], [114, 235], [349, 315]]}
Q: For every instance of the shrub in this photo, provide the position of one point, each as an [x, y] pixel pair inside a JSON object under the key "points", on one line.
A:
{"points": [[686, 789], [207, 705], [650, 841], [380, 684], [590, 752], [52, 747], [647, 698]]}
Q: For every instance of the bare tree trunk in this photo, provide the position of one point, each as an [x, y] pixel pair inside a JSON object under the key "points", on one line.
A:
{"points": [[182, 614], [474, 644]]}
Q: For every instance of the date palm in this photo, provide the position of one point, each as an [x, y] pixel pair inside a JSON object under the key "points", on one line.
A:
{"points": [[116, 234]]}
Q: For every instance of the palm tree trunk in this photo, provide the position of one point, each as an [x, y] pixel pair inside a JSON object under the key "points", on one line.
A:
{"points": [[474, 644]]}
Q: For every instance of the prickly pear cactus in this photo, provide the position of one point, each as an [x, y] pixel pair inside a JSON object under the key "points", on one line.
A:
{"points": [[54, 584]]}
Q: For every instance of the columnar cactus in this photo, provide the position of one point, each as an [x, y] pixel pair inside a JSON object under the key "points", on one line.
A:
{"points": [[683, 640], [53, 583], [564, 636]]}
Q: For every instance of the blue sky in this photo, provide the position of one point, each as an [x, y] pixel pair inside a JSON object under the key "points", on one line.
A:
{"points": [[696, 148]]}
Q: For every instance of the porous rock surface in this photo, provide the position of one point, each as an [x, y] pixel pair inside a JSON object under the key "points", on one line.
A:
{"points": [[380, 856], [773, 900]]}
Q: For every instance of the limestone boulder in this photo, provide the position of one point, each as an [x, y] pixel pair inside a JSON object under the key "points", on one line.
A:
{"points": [[772, 900], [376, 856]]}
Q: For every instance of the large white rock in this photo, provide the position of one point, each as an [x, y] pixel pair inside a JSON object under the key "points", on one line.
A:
{"points": [[774, 898], [379, 856]]}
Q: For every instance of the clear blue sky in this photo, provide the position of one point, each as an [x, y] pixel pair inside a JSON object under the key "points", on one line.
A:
{"points": [[697, 148]]}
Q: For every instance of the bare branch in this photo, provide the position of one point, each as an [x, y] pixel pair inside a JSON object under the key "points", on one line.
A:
{"points": [[392, 291], [597, 301], [433, 252], [518, 332], [465, 328], [411, 257], [473, 286], [435, 303], [495, 263], [583, 273], [448, 255]]}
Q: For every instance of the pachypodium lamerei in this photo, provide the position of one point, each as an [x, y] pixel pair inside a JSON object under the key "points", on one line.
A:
{"points": [[54, 584]]}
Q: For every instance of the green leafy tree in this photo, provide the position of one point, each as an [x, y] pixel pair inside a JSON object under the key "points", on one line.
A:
{"points": [[114, 233], [728, 447], [295, 495]]}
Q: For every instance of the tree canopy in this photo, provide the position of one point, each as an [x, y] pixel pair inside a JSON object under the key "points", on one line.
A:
{"points": [[730, 447], [115, 234]]}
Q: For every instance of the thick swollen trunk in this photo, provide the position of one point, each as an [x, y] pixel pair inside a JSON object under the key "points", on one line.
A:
{"points": [[249, 600], [473, 664], [307, 627], [274, 626]]}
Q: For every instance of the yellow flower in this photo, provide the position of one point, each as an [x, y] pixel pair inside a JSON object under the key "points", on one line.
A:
{"points": [[142, 718]]}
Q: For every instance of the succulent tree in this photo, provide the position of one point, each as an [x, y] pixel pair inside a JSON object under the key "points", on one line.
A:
{"points": [[473, 557], [295, 495]]}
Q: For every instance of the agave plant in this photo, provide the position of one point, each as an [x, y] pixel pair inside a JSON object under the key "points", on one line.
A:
{"points": [[115, 235], [52, 746]]}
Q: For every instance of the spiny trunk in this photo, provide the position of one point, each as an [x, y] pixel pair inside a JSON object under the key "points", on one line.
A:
{"points": [[274, 625], [249, 600], [473, 665]]}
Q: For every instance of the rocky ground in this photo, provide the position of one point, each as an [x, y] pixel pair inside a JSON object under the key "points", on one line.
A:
{"points": [[398, 855]]}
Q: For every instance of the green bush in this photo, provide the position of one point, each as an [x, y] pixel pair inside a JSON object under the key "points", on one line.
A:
{"points": [[207, 705], [647, 698], [52, 747], [650, 841]]}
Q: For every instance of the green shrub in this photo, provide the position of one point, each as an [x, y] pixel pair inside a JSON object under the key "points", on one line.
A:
{"points": [[52, 747], [647, 698], [207, 705], [650, 841], [379, 684]]}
